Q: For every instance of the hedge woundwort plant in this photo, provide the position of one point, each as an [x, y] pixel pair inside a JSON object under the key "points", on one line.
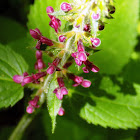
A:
{"points": [[86, 20]]}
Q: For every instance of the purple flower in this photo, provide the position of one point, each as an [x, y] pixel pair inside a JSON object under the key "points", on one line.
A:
{"points": [[79, 81], [90, 67], [32, 105], [62, 38], [18, 78], [39, 64], [53, 66], [25, 79], [49, 9], [96, 16], [29, 109], [36, 34], [80, 56], [55, 23], [61, 111], [66, 7], [95, 42], [61, 90], [46, 41], [87, 28], [38, 54]]}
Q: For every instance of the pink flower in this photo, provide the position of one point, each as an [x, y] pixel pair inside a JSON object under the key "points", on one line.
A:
{"points": [[96, 16], [49, 9], [95, 41], [79, 81], [66, 7], [61, 90], [55, 23], [61, 111], [80, 56], [36, 34], [90, 67], [46, 41], [53, 66], [62, 38], [32, 105], [87, 28]]}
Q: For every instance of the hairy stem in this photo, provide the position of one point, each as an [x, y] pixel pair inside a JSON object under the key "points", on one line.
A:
{"points": [[27, 118], [21, 127]]}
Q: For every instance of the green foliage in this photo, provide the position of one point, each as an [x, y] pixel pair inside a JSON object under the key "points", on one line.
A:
{"points": [[11, 64], [115, 101], [111, 101], [118, 38], [53, 103]]}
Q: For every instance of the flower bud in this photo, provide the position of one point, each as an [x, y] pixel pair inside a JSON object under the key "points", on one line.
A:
{"points": [[78, 61], [38, 44], [94, 68], [66, 7], [96, 16], [111, 9], [49, 9], [29, 109], [55, 23], [38, 54], [18, 78], [62, 38], [85, 70], [39, 75], [80, 46], [86, 83], [27, 80], [101, 25], [60, 82], [61, 111], [64, 91], [40, 64], [78, 79], [95, 41], [82, 56], [36, 34], [51, 69], [46, 41], [87, 28], [59, 95]]}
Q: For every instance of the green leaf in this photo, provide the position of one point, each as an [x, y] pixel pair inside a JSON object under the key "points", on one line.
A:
{"points": [[112, 102], [72, 129], [131, 70], [10, 30], [11, 64], [118, 38], [53, 103], [38, 17]]}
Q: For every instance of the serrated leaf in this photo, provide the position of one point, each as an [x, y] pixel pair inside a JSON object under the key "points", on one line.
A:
{"points": [[11, 64], [113, 103], [118, 38], [53, 103]]}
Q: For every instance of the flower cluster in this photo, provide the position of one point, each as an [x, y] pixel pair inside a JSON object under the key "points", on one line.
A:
{"points": [[88, 18]]}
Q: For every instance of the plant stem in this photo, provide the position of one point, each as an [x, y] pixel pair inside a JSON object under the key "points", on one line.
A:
{"points": [[22, 125], [27, 118]]}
